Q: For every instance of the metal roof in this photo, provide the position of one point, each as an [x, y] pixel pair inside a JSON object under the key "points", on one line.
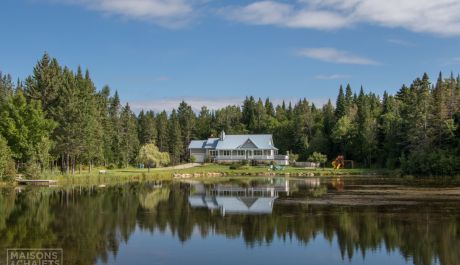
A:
{"points": [[197, 144], [236, 141], [261, 141], [211, 143]]}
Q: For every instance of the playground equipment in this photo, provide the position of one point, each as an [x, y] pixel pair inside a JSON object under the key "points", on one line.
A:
{"points": [[340, 162]]}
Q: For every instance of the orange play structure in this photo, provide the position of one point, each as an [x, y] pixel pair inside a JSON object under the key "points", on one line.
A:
{"points": [[340, 162]]}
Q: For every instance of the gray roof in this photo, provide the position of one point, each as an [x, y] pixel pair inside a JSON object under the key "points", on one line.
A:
{"points": [[261, 141], [211, 143], [197, 144]]}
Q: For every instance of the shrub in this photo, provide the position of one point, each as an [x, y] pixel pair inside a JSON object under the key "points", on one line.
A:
{"points": [[32, 170], [192, 159], [317, 157], [435, 163]]}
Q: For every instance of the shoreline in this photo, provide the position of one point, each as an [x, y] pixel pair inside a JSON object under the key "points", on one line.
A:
{"points": [[206, 172]]}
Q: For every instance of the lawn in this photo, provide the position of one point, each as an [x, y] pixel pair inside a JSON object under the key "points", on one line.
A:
{"points": [[127, 174], [198, 172]]}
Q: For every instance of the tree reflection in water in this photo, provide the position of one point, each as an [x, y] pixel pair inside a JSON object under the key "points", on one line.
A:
{"points": [[89, 223]]}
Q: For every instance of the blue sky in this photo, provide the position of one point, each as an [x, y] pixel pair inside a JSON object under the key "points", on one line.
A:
{"points": [[215, 52]]}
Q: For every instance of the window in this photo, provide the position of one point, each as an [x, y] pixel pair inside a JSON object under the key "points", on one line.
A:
{"points": [[213, 153], [241, 152], [257, 152], [226, 152]]}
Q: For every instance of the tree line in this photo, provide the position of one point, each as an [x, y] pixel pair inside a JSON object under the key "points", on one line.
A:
{"points": [[57, 119]]}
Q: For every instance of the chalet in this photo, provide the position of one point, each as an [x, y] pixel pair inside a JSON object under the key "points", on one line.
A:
{"points": [[234, 148]]}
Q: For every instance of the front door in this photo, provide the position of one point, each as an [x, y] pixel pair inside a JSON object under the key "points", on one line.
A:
{"points": [[248, 154]]}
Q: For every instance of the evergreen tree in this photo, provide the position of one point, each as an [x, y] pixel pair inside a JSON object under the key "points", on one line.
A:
{"points": [[260, 118], [44, 84], [92, 130], [103, 102], [163, 131], [116, 129], [6, 87], [187, 121], [270, 110], [340, 105], [248, 113], [147, 127], [129, 144], [175, 139], [203, 124], [349, 98]]}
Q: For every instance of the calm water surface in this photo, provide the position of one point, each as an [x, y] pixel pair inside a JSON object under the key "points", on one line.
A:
{"points": [[357, 220]]}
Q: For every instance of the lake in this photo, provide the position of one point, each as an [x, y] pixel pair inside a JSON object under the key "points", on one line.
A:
{"points": [[352, 220]]}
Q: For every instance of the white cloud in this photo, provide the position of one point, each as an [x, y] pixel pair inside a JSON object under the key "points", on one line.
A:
{"points": [[439, 17], [332, 77], [280, 14], [332, 55], [168, 13]]}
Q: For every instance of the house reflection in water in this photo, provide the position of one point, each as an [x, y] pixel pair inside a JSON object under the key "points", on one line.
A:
{"points": [[234, 199]]}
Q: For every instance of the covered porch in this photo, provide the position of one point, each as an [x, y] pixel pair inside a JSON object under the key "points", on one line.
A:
{"points": [[243, 154]]}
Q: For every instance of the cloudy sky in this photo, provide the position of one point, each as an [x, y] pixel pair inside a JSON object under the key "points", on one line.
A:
{"points": [[215, 52]]}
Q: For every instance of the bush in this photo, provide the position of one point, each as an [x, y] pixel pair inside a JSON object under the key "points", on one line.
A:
{"points": [[435, 163], [10, 170], [111, 166], [32, 170], [192, 159], [317, 157]]}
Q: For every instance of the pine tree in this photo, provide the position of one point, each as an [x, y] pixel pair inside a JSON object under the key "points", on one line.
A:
{"points": [[6, 87], [93, 149], [175, 139], [102, 102], [44, 84], [340, 105], [349, 98], [203, 124], [115, 124], [270, 110], [162, 131], [186, 118], [129, 144], [248, 113], [260, 118]]}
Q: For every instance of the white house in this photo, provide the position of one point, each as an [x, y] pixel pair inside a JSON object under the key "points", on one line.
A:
{"points": [[233, 148]]}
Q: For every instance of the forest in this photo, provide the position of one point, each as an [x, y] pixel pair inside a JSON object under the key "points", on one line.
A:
{"points": [[56, 119]]}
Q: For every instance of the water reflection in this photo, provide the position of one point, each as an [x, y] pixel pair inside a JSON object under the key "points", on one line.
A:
{"points": [[237, 199], [93, 224]]}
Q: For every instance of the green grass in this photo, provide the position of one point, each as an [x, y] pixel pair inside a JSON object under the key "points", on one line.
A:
{"points": [[136, 174]]}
